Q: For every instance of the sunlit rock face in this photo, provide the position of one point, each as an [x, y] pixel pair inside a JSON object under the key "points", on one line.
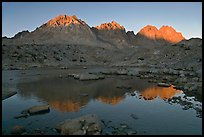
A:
{"points": [[67, 28], [111, 100], [64, 20], [165, 33], [110, 26], [150, 32], [169, 34], [161, 92]]}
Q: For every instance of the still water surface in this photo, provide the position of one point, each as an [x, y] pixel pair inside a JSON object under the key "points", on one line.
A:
{"points": [[152, 112]]}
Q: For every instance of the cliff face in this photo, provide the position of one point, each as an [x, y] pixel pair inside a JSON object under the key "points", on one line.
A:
{"points": [[166, 34], [169, 34], [150, 32]]}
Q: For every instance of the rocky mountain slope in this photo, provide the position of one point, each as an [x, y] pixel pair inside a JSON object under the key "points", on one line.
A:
{"points": [[112, 33], [65, 29], [67, 41]]}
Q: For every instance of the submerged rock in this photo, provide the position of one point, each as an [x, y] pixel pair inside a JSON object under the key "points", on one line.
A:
{"points": [[123, 126], [18, 130], [24, 111], [38, 109], [6, 95], [21, 116], [134, 116], [88, 124], [131, 132]]}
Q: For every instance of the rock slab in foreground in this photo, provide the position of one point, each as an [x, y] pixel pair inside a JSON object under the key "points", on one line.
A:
{"points": [[41, 109], [85, 125], [38, 109]]}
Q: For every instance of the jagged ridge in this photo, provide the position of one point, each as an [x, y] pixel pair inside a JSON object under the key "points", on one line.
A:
{"points": [[66, 29]]}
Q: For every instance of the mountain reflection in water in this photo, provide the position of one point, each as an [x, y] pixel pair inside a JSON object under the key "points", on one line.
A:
{"points": [[69, 95], [162, 92], [67, 106], [111, 100]]}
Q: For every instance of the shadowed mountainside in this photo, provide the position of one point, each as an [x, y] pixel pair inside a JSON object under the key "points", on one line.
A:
{"points": [[112, 33]]}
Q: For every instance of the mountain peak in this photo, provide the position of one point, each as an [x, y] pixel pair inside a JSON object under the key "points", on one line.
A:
{"points": [[170, 34], [64, 20], [166, 33], [150, 32], [74, 16], [166, 28], [110, 26], [148, 28]]}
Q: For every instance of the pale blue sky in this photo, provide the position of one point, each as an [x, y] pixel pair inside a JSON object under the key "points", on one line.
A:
{"points": [[185, 17]]}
